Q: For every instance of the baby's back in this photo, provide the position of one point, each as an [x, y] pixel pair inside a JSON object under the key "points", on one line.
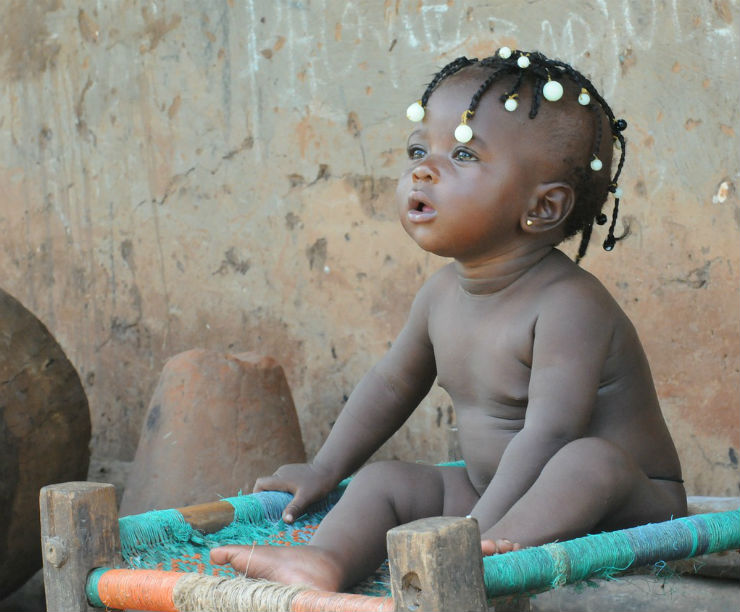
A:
{"points": [[551, 345]]}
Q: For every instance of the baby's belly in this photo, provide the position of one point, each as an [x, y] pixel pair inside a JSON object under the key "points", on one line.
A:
{"points": [[483, 440]]}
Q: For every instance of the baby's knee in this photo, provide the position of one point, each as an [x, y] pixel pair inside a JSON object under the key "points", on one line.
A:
{"points": [[378, 473], [596, 460]]}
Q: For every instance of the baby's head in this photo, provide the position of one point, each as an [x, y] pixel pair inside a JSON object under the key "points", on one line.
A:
{"points": [[558, 107]]}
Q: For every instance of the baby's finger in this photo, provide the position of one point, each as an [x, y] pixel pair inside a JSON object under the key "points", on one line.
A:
{"points": [[295, 508], [272, 483]]}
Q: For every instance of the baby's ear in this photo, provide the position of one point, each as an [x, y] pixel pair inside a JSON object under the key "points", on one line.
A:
{"points": [[551, 205]]}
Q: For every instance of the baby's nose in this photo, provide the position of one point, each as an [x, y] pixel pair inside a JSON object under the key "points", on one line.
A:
{"points": [[424, 172]]}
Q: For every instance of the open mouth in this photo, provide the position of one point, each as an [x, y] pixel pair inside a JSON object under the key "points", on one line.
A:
{"points": [[420, 209]]}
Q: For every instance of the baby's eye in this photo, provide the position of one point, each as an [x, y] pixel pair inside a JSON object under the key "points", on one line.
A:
{"points": [[463, 155], [415, 152]]}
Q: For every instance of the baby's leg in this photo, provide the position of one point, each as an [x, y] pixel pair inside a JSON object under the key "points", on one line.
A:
{"points": [[350, 542], [589, 486]]}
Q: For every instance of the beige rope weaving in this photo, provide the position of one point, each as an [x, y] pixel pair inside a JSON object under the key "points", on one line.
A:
{"points": [[200, 593]]}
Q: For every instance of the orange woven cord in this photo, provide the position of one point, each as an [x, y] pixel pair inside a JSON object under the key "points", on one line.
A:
{"points": [[326, 601], [125, 589]]}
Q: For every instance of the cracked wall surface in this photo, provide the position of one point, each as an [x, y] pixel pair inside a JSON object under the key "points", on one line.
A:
{"points": [[220, 174]]}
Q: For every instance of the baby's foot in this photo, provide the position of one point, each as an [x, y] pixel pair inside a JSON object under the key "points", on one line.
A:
{"points": [[493, 547], [285, 564]]}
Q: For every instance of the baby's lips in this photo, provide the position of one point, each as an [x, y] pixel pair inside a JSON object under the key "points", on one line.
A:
{"points": [[418, 201], [421, 216]]}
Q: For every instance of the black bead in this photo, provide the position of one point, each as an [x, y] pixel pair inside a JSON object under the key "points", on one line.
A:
{"points": [[620, 124], [609, 243], [601, 219]]}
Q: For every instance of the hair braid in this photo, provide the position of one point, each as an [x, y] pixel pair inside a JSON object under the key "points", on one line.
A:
{"points": [[515, 89], [483, 89], [450, 69], [585, 239], [536, 97]]}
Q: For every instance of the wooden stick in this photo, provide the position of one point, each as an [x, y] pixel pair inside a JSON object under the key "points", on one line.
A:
{"points": [[209, 517], [436, 564], [79, 532]]}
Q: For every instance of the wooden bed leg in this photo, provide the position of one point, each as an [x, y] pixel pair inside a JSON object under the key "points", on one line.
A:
{"points": [[436, 565], [79, 531]]}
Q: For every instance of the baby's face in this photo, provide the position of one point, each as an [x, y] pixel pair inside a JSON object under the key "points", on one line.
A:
{"points": [[467, 200]]}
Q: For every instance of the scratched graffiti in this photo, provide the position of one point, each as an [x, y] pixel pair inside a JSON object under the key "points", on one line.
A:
{"points": [[397, 46], [316, 34]]}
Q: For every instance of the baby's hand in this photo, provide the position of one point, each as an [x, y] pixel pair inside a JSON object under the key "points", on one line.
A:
{"points": [[493, 547], [306, 482]]}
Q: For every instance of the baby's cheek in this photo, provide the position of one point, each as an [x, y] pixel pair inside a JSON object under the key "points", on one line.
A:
{"points": [[402, 195], [403, 186]]}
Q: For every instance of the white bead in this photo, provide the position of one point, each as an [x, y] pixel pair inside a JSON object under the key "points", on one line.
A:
{"points": [[596, 164], [618, 192], [504, 53], [511, 104], [523, 61], [463, 133], [415, 112], [552, 91], [584, 99]]}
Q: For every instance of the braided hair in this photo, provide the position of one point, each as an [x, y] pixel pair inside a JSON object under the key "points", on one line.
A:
{"points": [[544, 75]]}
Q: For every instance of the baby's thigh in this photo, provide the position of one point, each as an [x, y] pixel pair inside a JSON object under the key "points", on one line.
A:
{"points": [[460, 495], [416, 490]]}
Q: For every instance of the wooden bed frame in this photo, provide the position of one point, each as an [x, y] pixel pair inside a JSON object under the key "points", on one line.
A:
{"points": [[435, 563]]}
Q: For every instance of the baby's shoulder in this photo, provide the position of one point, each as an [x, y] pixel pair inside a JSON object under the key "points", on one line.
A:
{"points": [[429, 293], [439, 282], [572, 291]]}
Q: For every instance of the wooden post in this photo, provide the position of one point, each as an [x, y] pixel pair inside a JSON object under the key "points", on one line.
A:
{"points": [[436, 565], [79, 532]]}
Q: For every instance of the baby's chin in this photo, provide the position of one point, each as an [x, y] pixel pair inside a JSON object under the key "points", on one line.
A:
{"points": [[431, 247], [423, 235]]}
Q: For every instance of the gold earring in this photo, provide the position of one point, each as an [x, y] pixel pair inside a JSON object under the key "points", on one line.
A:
{"points": [[530, 222]]}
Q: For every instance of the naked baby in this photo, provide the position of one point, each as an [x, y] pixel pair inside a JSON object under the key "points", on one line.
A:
{"points": [[558, 418]]}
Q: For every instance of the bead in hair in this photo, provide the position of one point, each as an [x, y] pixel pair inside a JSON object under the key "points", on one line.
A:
{"points": [[511, 103], [463, 132], [552, 91], [504, 53], [415, 112]]}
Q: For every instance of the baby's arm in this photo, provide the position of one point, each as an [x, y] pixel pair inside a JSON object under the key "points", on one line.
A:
{"points": [[571, 341], [382, 401]]}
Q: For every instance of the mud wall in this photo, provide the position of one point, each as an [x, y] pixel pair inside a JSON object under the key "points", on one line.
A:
{"points": [[220, 174]]}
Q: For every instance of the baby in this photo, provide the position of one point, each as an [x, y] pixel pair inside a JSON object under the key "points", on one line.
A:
{"points": [[558, 419]]}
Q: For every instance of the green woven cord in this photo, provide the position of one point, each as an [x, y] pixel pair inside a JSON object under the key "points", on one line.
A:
{"points": [[605, 554]]}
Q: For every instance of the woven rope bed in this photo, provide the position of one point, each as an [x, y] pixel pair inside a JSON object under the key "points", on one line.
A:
{"points": [[165, 541], [163, 563]]}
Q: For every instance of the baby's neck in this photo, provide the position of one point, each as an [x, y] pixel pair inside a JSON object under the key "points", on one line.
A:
{"points": [[493, 275]]}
